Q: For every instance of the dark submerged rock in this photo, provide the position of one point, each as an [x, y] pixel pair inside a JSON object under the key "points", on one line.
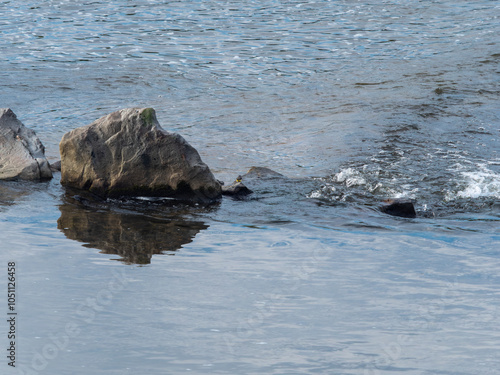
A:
{"points": [[259, 177], [128, 154], [55, 166], [238, 189], [22, 155], [261, 172], [399, 207]]}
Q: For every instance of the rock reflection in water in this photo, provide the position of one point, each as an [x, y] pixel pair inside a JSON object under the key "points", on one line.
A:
{"points": [[9, 194], [15, 192], [132, 236]]}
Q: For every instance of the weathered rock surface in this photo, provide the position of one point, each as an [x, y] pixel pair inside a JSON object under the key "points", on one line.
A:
{"points": [[399, 207], [22, 155], [127, 153]]}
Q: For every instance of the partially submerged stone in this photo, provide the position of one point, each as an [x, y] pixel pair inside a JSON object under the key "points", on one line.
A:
{"points": [[399, 207], [261, 172], [127, 153], [55, 166], [238, 189], [22, 155]]}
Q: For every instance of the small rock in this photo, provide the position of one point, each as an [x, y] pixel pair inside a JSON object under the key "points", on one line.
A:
{"points": [[261, 172], [238, 189], [22, 155], [55, 166], [399, 207]]}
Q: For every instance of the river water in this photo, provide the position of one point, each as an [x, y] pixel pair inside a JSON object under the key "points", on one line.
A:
{"points": [[353, 101]]}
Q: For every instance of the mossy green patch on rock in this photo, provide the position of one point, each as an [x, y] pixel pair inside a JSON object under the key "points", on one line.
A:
{"points": [[148, 115]]}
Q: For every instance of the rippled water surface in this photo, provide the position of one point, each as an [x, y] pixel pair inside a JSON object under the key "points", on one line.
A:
{"points": [[353, 101]]}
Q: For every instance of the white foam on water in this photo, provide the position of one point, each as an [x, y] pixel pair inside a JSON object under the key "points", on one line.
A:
{"points": [[362, 180], [314, 194], [481, 183], [325, 191], [407, 192], [350, 177]]}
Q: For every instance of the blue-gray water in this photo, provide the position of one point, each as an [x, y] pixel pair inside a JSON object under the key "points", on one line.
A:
{"points": [[356, 101]]}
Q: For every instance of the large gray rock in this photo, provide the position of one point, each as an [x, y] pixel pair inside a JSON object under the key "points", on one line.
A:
{"points": [[22, 155], [127, 153]]}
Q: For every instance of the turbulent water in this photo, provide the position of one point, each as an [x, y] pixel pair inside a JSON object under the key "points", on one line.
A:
{"points": [[354, 101]]}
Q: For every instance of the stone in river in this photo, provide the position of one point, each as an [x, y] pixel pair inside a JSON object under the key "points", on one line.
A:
{"points": [[261, 172], [238, 189], [55, 166], [22, 155], [127, 154], [399, 207]]}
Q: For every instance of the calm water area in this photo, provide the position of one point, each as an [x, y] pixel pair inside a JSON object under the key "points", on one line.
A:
{"points": [[354, 101]]}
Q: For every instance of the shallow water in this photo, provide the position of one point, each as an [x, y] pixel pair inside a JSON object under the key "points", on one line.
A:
{"points": [[355, 101]]}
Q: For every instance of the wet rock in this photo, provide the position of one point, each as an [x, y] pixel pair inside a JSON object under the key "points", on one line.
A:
{"points": [[55, 166], [261, 172], [265, 182], [22, 155], [399, 207], [238, 189], [127, 154]]}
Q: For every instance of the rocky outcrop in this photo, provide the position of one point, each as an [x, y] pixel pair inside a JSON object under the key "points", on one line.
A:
{"points": [[127, 153], [22, 155]]}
